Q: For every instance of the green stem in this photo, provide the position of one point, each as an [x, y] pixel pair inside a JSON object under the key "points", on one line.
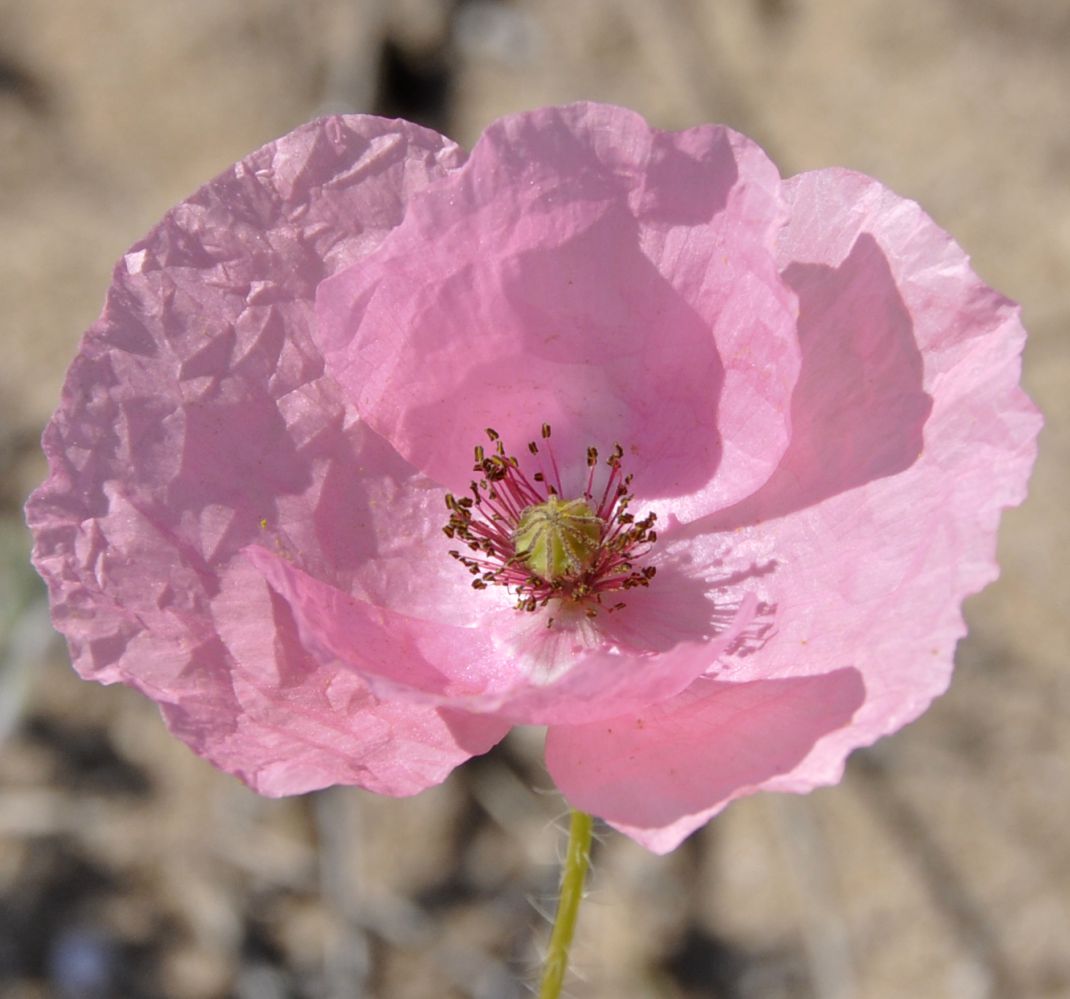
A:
{"points": [[573, 875]]}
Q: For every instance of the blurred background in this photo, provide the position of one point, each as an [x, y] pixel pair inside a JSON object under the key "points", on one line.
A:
{"points": [[129, 868]]}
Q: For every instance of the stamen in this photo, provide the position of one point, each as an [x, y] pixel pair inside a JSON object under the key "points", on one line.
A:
{"points": [[525, 536]]}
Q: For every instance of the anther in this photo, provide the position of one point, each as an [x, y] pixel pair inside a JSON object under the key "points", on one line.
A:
{"points": [[545, 547]]}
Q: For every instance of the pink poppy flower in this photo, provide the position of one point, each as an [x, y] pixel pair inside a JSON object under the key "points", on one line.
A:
{"points": [[772, 425]]}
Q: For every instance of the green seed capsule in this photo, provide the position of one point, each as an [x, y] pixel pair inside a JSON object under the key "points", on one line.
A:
{"points": [[558, 539]]}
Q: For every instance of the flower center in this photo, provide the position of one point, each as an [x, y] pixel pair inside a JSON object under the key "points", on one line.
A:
{"points": [[558, 539], [521, 533]]}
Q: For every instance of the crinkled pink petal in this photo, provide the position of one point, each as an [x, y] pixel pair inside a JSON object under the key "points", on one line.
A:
{"points": [[660, 774], [586, 271], [196, 420], [489, 669], [910, 436], [301, 724], [815, 393], [911, 366]]}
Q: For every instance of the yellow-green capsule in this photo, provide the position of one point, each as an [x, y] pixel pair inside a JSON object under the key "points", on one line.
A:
{"points": [[558, 539]]}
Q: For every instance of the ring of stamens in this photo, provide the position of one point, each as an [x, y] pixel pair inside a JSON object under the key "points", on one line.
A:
{"points": [[520, 532]]}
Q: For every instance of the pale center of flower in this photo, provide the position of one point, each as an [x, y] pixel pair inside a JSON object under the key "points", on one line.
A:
{"points": [[521, 534]]}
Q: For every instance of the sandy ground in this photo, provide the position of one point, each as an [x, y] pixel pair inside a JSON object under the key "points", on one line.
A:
{"points": [[939, 868]]}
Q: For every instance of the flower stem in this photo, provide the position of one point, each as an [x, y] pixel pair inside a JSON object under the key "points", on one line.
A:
{"points": [[577, 859]]}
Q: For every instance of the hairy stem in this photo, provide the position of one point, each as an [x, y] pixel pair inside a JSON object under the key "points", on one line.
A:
{"points": [[573, 875]]}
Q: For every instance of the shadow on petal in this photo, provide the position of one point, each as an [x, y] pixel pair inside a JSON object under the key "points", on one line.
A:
{"points": [[689, 177], [680, 605], [573, 332], [858, 409]]}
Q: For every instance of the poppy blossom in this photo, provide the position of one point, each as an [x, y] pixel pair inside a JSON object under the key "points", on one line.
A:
{"points": [[380, 448]]}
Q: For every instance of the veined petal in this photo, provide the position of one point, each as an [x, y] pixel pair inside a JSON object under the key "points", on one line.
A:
{"points": [[815, 394], [500, 669], [585, 270], [659, 775], [195, 420]]}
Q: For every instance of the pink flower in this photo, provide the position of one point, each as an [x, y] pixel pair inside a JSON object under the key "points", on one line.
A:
{"points": [[815, 398]]}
